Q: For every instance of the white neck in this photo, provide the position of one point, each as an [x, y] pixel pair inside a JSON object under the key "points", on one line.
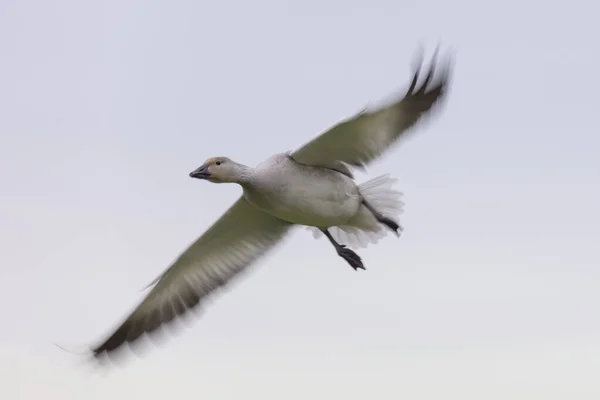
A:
{"points": [[244, 174]]}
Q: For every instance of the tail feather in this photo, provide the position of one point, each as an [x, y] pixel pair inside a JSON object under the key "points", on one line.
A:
{"points": [[380, 195], [378, 192]]}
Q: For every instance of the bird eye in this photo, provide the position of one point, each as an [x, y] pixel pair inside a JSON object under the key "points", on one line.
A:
{"points": [[218, 163]]}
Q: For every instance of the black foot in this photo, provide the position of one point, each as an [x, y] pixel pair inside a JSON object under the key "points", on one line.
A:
{"points": [[351, 257], [384, 220], [390, 224]]}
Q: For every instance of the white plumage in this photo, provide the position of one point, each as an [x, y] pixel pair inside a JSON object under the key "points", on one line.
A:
{"points": [[312, 186]]}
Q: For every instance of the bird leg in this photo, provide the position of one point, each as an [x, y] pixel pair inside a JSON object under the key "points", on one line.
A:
{"points": [[351, 257], [384, 220]]}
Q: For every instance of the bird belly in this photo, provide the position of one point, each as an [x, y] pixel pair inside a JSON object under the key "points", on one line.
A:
{"points": [[321, 212], [305, 200]]}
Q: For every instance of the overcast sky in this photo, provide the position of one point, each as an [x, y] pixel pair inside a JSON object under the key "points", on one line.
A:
{"points": [[491, 293]]}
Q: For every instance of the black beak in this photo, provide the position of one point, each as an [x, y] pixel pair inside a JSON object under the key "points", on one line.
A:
{"points": [[201, 172]]}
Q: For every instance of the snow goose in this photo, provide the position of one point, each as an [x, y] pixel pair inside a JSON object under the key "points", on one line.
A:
{"points": [[312, 186]]}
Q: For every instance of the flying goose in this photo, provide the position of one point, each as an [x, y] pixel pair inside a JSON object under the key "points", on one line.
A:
{"points": [[311, 186]]}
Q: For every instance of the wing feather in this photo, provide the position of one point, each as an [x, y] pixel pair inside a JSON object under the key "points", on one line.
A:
{"points": [[241, 236], [367, 135]]}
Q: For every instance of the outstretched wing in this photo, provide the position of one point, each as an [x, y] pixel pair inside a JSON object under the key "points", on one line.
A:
{"points": [[236, 240], [364, 137]]}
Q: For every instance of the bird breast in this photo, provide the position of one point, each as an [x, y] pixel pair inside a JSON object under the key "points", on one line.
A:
{"points": [[303, 194]]}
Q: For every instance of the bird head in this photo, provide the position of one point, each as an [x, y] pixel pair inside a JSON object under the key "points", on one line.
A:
{"points": [[218, 170]]}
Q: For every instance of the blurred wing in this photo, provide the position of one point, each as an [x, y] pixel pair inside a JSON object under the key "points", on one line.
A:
{"points": [[236, 240], [364, 137]]}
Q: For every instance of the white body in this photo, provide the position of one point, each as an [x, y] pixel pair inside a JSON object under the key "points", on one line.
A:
{"points": [[302, 194], [322, 198]]}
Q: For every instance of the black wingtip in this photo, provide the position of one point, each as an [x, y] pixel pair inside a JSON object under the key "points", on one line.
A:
{"points": [[433, 65]]}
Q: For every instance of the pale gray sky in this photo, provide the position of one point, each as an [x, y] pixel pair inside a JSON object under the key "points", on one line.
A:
{"points": [[491, 293]]}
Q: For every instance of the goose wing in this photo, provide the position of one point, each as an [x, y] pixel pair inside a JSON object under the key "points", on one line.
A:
{"points": [[366, 136], [241, 236]]}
